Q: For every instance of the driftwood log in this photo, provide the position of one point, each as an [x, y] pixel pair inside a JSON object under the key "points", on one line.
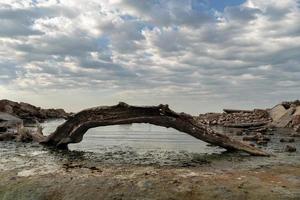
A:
{"points": [[75, 127]]}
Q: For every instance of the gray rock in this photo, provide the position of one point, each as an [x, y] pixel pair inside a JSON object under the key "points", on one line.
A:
{"points": [[6, 136], [30, 113], [285, 119], [287, 140], [290, 148], [3, 129], [9, 121], [277, 112]]}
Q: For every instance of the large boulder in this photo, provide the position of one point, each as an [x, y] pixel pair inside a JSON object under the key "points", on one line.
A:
{"points": [[296, 119], [286, 119], [286, 114], [8, 121], [297, 111], [30, 113], [277, 112]]}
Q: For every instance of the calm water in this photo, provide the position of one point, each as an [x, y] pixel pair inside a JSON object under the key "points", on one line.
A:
{"points": [[136, 144], [140, 137]]}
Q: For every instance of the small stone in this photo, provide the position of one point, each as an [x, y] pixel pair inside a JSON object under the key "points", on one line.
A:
{"points": [[239, 133], [295, 135], [264, 138], [3, 129], [289, 148], [296, 120], [249, 138], [297, 128], [287, 140], [262, 142]]}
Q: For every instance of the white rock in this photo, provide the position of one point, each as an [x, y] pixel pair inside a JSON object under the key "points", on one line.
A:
{"points": [[277, 112], [286, 118], [297, 112]]}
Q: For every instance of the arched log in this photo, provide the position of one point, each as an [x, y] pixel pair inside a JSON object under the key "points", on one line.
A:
{"points": [[73, 129]]}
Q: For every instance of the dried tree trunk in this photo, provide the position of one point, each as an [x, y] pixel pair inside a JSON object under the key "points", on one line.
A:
{"points": [[73, 129]]}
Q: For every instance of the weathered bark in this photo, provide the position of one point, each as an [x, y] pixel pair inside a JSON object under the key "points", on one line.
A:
{"points": [[73, 129]]}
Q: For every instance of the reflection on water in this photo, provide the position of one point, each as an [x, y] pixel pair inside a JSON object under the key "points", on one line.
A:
{"points": [[141, 137]]}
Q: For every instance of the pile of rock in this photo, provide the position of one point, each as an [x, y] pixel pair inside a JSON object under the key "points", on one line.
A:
{"points": [[286, 114], [236, 117], [258, 137], [30, 113]]}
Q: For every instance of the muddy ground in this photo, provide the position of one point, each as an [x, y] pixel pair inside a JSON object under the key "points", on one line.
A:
{"points": [[149, 182], [32, 172]]}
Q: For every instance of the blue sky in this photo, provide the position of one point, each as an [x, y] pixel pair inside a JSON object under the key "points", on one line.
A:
{"points": [[76, 53], [221, 4]]}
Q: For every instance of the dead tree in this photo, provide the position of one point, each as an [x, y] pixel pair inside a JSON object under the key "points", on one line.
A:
{"points": [[75, 127]]}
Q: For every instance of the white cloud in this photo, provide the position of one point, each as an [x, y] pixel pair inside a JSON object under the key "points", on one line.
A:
{"points": [[141, 50]]}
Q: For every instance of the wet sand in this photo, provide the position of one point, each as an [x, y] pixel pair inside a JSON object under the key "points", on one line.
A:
{"points": [[136, 182], [229, 178]]}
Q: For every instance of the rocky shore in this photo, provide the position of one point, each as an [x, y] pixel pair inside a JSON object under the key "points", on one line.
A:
{"points": [[283, 115], [236, 118], [30, 113], [255, 123], [14, 116], [31, 171]]}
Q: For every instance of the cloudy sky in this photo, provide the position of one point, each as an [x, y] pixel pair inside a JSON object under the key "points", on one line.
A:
{"points": [[196, 55]]}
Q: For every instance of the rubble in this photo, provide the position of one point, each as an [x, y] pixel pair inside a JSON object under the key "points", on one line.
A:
{"points": [[256, 117], [259, 138], [255, 124], [285, 119], [284, 115]]}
